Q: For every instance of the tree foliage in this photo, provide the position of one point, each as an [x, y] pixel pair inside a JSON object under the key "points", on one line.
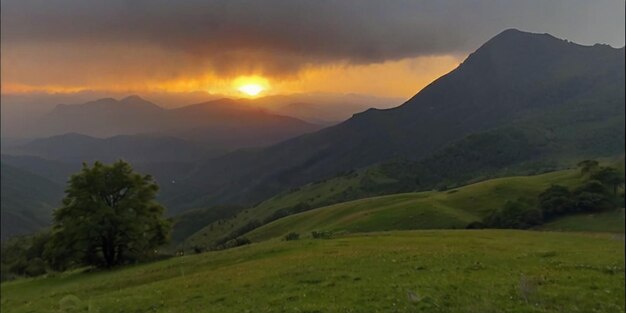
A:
{"points": [[555, 201], [108, 217], [514, 214]]}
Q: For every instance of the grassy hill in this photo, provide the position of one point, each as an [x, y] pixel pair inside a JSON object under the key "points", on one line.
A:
{"points": [[453, 208], [410, 271]]}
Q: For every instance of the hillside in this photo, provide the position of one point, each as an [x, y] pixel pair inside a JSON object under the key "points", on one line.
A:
{"points": [[566, 100], [27, 201], [417, 271], [454, 208]]}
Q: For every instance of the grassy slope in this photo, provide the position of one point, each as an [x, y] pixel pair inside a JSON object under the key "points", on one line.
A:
{"points": [[339, 190], [424, 210], [450, 271], [313, 194]]}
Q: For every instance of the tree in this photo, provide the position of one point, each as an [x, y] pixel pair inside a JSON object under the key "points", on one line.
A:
{"points": [[592, 196], [108, 217], [609, 176], [555, 201], [588, 166], [515, 214]]}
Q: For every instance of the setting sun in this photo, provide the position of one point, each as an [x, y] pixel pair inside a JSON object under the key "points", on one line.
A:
{"points": [[251, 86], [251, 89]]}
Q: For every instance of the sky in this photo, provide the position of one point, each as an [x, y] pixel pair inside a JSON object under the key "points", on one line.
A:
{"points": [[380, 48]]}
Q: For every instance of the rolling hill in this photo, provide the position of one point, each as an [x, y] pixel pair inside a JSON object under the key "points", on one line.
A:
{"points": [[455, 208], [565, 100]]}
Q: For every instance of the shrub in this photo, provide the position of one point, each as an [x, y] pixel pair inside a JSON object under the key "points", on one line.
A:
{"points": [[476, 225], [240, 241], [292, 236], [515, 214], [592, 202], [35, 267], [321, 234]]}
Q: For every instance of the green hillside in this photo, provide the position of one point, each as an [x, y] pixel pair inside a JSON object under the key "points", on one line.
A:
{"points": [[27, 201], [453, 208], [411, 271]]}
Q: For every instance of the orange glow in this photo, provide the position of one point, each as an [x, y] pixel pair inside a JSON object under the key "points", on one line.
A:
{"points": [[251, 85], [402, 78]]}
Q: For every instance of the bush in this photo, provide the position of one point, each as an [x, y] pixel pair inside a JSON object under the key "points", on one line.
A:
{"points": [[321, 234], [292, 236], [35, 267], [591, 202], [515, 214], [476, 225], [240, 241]]}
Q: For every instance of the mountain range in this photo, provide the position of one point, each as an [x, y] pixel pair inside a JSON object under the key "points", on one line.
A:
{"points": [[522, 102]]}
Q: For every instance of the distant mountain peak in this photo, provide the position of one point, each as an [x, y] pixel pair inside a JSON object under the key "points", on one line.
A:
{"points": [[133, 98], [132, 101]]}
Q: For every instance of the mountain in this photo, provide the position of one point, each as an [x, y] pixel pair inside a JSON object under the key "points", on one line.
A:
{"points": [[569, 94], [233, 123], [27, 201], [222, 123], [133, 148], [321, 114], [323, 108], [103, 118]]}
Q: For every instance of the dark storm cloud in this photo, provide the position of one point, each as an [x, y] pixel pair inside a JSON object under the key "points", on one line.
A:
{"points": [[282, 36]]}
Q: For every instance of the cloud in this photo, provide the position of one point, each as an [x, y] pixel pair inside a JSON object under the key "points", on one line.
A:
{"points": [[155, 38]]}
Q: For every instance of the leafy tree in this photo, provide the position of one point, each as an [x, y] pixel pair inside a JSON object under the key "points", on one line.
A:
{"points": [[109, 217], [609, 176], [590, 202], [515, 214], [556, 200], [588, 166], [592, 186], [23, 256]]}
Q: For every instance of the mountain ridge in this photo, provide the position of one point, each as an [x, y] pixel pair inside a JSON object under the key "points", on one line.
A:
{"points": [[473, 97]]}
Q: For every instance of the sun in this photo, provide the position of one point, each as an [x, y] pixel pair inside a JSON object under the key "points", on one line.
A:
{"points": [[251, 86], [251, 89]]}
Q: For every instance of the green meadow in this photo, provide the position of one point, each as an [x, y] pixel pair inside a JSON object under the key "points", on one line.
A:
{"points": [[400, 271]]}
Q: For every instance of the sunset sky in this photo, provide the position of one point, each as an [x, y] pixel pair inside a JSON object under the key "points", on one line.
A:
{"points": [[270, 47]]}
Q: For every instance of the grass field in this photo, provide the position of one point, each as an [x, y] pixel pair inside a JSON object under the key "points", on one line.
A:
{"points": [[454, 208], [425, 210], [405, 271]]}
